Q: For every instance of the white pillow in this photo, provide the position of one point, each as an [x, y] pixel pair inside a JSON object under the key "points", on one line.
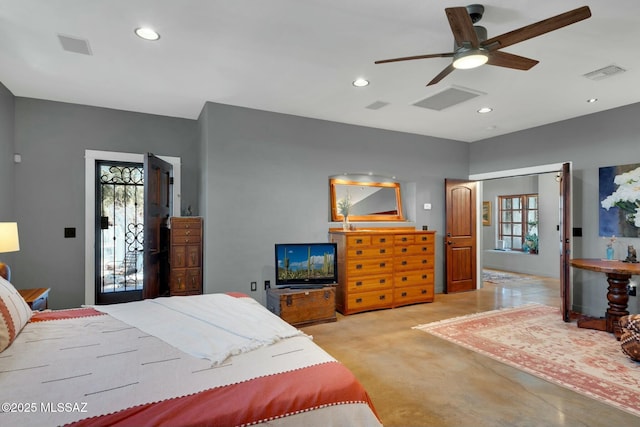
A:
{"points": [[14, 313]]}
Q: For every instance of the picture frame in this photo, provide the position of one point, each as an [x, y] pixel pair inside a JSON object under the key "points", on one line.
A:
{"points": [[486, 213]]}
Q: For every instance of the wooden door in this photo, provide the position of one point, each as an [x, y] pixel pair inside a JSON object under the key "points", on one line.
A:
{"points": [[565, 241], [460, 235], [157, 208]]}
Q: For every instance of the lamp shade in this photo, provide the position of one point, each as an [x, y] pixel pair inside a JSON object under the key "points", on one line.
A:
{"points": [[9, 237]]}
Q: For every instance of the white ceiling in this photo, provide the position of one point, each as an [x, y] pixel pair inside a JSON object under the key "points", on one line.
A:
{"points": [[300, 56]]}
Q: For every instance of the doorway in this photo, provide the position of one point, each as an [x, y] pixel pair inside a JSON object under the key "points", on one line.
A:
{"points": [[558, 232], [119, 231], [91, 241]]}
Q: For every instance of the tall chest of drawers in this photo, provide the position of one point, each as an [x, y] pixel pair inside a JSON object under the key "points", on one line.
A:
{"points": [[383, 269], [185, 256]]}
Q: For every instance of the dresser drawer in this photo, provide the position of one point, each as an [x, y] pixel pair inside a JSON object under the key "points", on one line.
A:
{"points": [[404, 239], [358, 241], [364, 301], [373, 266], [412, 295], [368, 252], [424, 238], [413, 278], [182, 240], [414, 250], [413, 263], [369, 283], [186, 223]]}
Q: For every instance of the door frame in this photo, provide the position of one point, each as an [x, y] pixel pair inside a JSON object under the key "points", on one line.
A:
{"points": [[90, 158], [532, 170]]}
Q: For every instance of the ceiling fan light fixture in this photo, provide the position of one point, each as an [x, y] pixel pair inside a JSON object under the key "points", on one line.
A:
{"points": [[467, 58], [147, 33], [360, 82]]}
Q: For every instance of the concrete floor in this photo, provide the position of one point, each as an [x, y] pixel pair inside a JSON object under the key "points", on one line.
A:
{"points": [[416, 379]]}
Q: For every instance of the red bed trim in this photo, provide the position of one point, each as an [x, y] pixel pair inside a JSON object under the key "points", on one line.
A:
{"points": [[250, 402], [43, 316]]}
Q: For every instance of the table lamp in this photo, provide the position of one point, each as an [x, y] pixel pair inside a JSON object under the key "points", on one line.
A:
{"points": [[8, 243]]}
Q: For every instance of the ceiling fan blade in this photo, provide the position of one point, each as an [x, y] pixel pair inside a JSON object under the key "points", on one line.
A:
{"points": [[537, 29], [409, 58], [444, 73], [461, 26], [509, 60]]}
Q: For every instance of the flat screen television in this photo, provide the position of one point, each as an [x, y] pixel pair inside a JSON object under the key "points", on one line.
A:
{"points": [[306, 265]]}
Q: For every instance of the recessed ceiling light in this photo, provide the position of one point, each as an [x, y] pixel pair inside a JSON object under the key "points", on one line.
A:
{"points": [[592, 100], [360, 82], [485, 110], [147, 33]]}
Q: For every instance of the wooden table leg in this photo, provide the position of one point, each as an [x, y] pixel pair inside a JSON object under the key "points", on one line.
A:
{"points": [[618, 301]]}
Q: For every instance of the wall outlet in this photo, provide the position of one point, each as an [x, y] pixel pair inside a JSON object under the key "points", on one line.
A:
{"points": [[254, 286], [267, 284], [631, 290]]}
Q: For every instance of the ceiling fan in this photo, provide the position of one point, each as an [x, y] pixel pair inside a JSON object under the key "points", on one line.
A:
{"points": [[472, 48]]}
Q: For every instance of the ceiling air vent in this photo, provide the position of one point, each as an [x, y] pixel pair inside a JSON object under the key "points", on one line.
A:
{"points": [[449, 97], [74, 44], [605, 72], [377, 105]]}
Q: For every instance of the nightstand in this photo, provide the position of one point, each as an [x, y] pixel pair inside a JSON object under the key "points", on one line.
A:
{"points": [[38, 299]]}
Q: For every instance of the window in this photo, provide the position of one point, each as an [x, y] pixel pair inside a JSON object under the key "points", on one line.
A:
{"points": [[518, 222]]}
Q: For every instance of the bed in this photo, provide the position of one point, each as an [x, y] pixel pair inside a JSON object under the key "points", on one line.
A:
{"points": [[217, 360]]}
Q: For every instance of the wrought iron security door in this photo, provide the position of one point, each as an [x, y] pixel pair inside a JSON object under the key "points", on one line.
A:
{"points": [[120, 232]]}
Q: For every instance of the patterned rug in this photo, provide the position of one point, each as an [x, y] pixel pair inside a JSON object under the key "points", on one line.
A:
{"points": [[534, 339], [500, 277]]}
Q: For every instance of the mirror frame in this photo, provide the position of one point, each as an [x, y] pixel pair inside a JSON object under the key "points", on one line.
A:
{"points": [[337, 216]]}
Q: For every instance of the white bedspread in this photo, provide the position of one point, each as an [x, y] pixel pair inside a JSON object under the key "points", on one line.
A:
{"points": [[210, 326]]}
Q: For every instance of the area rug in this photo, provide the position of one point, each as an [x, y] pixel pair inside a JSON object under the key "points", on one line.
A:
{"points": [[534, 339], [501, 277]]}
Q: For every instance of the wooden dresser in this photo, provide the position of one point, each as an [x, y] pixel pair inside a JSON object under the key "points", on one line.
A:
{"points": [[185, 255], [383, 268]]}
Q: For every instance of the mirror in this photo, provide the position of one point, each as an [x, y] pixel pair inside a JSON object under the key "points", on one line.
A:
{"points": [[365, 198]]}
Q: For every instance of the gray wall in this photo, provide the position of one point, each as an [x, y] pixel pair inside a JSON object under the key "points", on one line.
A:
{"points": [[49, 183], [7, 117], [267, 181], [7, 210], [590, 142]]}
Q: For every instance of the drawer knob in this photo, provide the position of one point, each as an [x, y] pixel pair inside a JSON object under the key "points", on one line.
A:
{"points": [[382, 265], [424, 291], [404, 239], [404, 262], [383, 251], [403, 250], [382, 297], [358, 300], [358, 283], [358, 266], [359, 241], [383, 281], [404, 278], [358, 252], [404, 294], [424, 261], [383, 240], [424, 276]]}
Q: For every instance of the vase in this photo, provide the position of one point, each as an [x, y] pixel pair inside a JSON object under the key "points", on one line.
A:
{"points": [[345, 224], [609, 252]]}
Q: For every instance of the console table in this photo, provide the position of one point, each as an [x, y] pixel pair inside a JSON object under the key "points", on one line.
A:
{"points": [[618, 275]]}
